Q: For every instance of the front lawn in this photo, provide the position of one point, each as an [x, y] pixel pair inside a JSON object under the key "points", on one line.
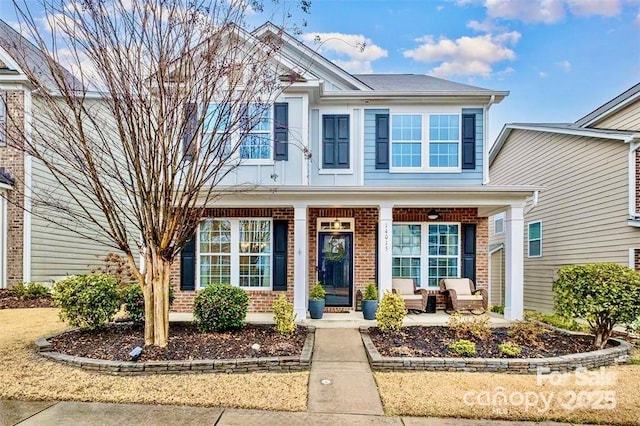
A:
{"points": [[24, 375]]}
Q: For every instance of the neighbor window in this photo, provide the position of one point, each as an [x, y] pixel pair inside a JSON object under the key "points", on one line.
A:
{"points": [[406, 141], [236, 252], [444, 140], [257, 142], [435, 245], [498, 223], [535, 239]]}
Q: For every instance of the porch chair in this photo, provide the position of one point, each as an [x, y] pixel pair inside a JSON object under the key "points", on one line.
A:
{"points": [[415, 299], [461, 294]]}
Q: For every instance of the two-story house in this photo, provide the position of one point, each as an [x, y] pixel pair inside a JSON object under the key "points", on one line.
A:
{"points": [[589, 207], [366, 178]]}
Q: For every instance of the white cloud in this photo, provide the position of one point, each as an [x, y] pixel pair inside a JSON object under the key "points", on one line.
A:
{"points": [[353, 52], [638, 19], [485, 26], [595, 7], [547, 11], [439, 8], [565, 65], [465, 55], [543, 74]]}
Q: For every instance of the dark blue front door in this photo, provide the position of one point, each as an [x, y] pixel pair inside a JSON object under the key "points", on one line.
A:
{"points": [[335, 267]]}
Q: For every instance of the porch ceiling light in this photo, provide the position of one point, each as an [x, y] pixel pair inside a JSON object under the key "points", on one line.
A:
{"points": [[336, 224], [433, 215]]}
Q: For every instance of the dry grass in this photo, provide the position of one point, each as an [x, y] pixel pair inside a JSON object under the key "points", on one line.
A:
{"points": [[25, 375], [442, 395]]}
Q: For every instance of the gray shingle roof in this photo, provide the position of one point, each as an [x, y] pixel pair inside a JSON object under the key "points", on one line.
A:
{"points": [[415, 83], [607, 106], [29, 56]]}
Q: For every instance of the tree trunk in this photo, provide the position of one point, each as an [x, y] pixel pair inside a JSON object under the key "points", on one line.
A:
{"points": [[602, 335], [156, 300]]}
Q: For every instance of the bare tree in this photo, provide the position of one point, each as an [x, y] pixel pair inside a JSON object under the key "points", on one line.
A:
{"points": [[162, 97]]}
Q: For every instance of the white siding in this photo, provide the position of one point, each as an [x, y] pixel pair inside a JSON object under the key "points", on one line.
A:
{"points": [[628, 118], [583, 206]]}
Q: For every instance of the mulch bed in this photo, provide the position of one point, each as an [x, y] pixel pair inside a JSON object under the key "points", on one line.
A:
{"points": [[9, 301], [416, 341], [115, 341]]}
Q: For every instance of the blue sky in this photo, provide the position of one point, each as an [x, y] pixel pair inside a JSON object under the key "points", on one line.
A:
{"points": [[560, 59]]}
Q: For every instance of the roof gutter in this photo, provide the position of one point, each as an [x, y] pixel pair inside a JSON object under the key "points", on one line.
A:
{"points": [[485, 145], [385, 94]]}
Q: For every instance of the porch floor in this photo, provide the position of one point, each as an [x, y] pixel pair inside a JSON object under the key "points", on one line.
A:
{"points": [[351, 319]]}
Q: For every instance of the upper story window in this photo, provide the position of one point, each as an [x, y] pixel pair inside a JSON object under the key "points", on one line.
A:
{"points": [[444, 140], [535, 239], [498, 224], [425, 142], [256, 144], [217, 129]]}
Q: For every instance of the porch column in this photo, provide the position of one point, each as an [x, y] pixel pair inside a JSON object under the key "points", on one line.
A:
{"points": [[300, 261], [514, 263], [385, 223]]}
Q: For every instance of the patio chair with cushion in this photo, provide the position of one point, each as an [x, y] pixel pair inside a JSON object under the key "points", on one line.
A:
{"points": [[461, 294], [415, 299]]}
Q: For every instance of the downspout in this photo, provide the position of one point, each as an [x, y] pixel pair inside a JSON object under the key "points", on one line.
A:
{"points": [[534, 202], [485, 145], [632, 178]]}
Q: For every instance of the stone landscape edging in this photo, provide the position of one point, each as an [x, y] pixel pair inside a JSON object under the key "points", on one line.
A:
{"points": [[565, 363], [237, 365]]}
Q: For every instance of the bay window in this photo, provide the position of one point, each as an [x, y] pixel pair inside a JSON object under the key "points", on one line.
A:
{"points": [[236, 252], [426, 252]]}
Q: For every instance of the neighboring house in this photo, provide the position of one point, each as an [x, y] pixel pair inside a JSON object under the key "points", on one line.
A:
{"points": [[364, 178], [589, 207], [31, 248]]}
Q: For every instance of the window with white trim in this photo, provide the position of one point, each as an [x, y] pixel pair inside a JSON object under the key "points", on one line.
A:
{"points": [[217, 129], [534, 240], [236, 252], [498, 224], [406, 141], [436, 245], [256, 144], [444, 140]]}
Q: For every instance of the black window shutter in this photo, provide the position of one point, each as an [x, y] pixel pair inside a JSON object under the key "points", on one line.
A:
{"points": [[281, 131], [328, 141], [468, 141], [188, 265], [280, 239], [189, 139], [342, 139], [335, 142], [469, 251], [382, 141]]}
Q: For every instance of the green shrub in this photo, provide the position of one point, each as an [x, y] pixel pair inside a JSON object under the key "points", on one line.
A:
{"points": [[317, 292], [510, 349], [391, 312], [370, 292], [87, 301], [604, 294], [283, 315], [30, 290], [498, 309], [463, 347], [556, 321], [464, 328], [526, 332], [220, 307], [133, 299]]}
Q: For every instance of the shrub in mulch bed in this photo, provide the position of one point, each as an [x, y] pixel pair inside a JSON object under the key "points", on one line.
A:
{"points": [[8, 300], [419, 341], [115, 341]]}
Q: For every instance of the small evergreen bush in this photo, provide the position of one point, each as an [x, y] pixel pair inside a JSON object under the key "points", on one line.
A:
{"points": [[463, 347], [465, 328], [526, 332], [220, 307], [133, 299], [283, 315], [87, 301], [317, 292], [510, 349], [30, 290], [556, 320], [498, 309], [370, 292], [391, 312]]}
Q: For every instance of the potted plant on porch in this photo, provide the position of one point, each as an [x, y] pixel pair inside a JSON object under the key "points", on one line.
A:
{"points": [[316, 301], [370, 301]]}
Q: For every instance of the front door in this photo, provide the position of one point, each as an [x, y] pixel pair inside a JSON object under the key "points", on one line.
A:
{"points": [[335, 267]]}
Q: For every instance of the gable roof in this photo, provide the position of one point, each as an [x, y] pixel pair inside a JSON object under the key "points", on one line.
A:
{"points": [[615, 104], [560, 128], [417, 82]]}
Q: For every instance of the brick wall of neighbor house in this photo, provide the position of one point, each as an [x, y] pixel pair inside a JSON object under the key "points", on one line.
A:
{"points": [[12, 159], [259, 300], [637, 180], [364, 246]]}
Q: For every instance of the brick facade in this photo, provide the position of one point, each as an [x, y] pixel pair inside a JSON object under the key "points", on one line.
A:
{"points": [[259, 300], [12, 159], [637, 180]]}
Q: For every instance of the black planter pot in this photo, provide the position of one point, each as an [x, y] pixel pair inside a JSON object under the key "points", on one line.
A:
{"points": [[316, 308], [369, 308]]}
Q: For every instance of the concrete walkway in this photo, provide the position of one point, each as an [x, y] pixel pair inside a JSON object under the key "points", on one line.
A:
{"points": [[341, 381]]}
